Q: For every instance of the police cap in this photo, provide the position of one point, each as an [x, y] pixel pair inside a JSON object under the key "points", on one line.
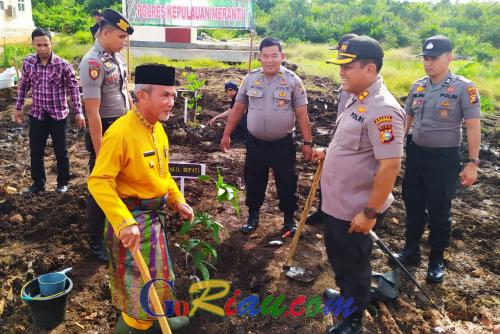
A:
{"points": [[344, 39], [230, 85], [435, 46], [357, 48]]}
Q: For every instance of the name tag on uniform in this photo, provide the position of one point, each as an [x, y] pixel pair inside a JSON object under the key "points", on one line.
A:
{"points": [[149, 153]]}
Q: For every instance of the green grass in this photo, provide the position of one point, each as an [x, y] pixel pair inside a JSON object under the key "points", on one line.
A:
{"points": [[401, 67]]}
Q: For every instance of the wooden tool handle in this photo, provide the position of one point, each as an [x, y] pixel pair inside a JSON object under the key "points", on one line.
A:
{"points": [[153, 296], [305, 212]]}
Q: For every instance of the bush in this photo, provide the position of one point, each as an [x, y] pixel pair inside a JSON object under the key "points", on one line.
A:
{"points": [[83, 37], [14, 51]]}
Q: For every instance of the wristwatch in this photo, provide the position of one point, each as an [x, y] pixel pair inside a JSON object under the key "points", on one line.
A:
{"points": [[371, 213], [474, 161], [308, 143]]}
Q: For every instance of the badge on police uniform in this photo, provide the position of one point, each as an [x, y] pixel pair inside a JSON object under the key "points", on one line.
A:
{"points": [[361, 109], [383, 119], [281, 103], [282, 94], [94, 72], [363, 95], [443, 113], [445, 104], [473, 96], [386, 134], [451, 89], [283, 82], [420, 89], [108, 64], [257, 82]]}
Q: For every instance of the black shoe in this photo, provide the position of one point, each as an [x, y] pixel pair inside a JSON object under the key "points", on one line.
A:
{"points": [[252, 222], [289, 224], [349, 325], [314, 218], [410, 254], [34, 189], [332, 294], [62, 189], [435, 270], [99, 251]]}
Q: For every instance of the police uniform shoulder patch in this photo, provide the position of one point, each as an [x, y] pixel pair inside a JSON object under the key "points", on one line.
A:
{"points": [[386, 134], [94, 72], [473, 95]]}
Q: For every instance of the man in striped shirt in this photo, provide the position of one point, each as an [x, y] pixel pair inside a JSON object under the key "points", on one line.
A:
{"points": [[49, 78]]}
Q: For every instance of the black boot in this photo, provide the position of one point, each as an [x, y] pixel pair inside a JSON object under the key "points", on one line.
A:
{"points": [[252, 222], [435, 270], [353, 324], [97, 248], [410, 254], [315, 218], [289, 223]]}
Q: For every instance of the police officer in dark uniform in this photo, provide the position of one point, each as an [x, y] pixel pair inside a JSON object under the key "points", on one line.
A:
{"points": [[103, 77], [437, 105], [97, 15], [276, 99], [317, 216]]}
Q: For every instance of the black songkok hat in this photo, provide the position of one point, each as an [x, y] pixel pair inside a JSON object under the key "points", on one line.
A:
{"points": [[155, 74]]}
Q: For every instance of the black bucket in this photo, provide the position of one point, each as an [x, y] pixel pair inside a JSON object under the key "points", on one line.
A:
{"points": [[46, 312]]}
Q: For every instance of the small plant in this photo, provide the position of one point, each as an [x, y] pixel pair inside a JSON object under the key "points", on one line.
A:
{"points": [[203, 253], [194, 84]]}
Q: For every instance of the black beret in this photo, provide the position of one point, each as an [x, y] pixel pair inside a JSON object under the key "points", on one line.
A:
{"points": [[117, 20], [155, 74]]}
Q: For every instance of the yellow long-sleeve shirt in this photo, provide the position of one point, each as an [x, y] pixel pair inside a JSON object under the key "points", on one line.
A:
{"points": [[132, 162]]}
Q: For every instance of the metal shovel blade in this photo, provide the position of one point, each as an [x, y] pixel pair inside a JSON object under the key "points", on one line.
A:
{"points": [[300, 274]]}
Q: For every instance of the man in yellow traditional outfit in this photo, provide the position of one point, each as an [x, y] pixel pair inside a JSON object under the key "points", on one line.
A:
{"points": [[132, 184]]}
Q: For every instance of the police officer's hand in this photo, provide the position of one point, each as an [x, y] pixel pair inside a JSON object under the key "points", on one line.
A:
{"points": [[361, 224], [18, 116], [185, 211], [307, 152], [318, 154], [225, 143], [130, 237], [80, 120], [468, 175], [212, 121]]}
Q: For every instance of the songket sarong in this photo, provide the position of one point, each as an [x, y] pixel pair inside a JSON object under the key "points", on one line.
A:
{"points": [[124, 276]]}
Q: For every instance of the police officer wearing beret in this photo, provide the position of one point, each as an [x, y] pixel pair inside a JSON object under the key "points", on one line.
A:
{"points": [[276, 99], [360, 168], [97, 15], [317, 216], [103, 77], [241, 132], [437, 105]]}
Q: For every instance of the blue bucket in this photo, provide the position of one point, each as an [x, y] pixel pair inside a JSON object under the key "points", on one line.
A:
{"points": [[46, 312]]}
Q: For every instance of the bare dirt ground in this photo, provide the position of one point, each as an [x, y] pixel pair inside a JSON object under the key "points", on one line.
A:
{"points": [[43, 233]]}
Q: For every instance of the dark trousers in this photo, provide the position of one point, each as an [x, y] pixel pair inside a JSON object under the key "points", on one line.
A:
{"points": [[94, 224], [278, 155], [350, 258], [429, 186], [38, 133]]}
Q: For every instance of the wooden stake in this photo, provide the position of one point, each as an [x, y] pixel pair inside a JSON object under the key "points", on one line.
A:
{"points": [[153, 296], [252, 35], [305, 212]]}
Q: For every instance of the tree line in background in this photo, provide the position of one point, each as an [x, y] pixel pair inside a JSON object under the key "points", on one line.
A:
{"points": [[473, 27]]}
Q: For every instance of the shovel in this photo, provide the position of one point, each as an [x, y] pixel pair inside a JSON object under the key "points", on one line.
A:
{"points": [[153, 296], [299, 273]]}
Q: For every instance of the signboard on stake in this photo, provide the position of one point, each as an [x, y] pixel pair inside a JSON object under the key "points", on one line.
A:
{"points": [[223, 14], [183, 170]]}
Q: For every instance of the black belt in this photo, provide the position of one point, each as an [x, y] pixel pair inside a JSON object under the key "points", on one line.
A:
{"points": [[434, 149], [277, 142]]}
